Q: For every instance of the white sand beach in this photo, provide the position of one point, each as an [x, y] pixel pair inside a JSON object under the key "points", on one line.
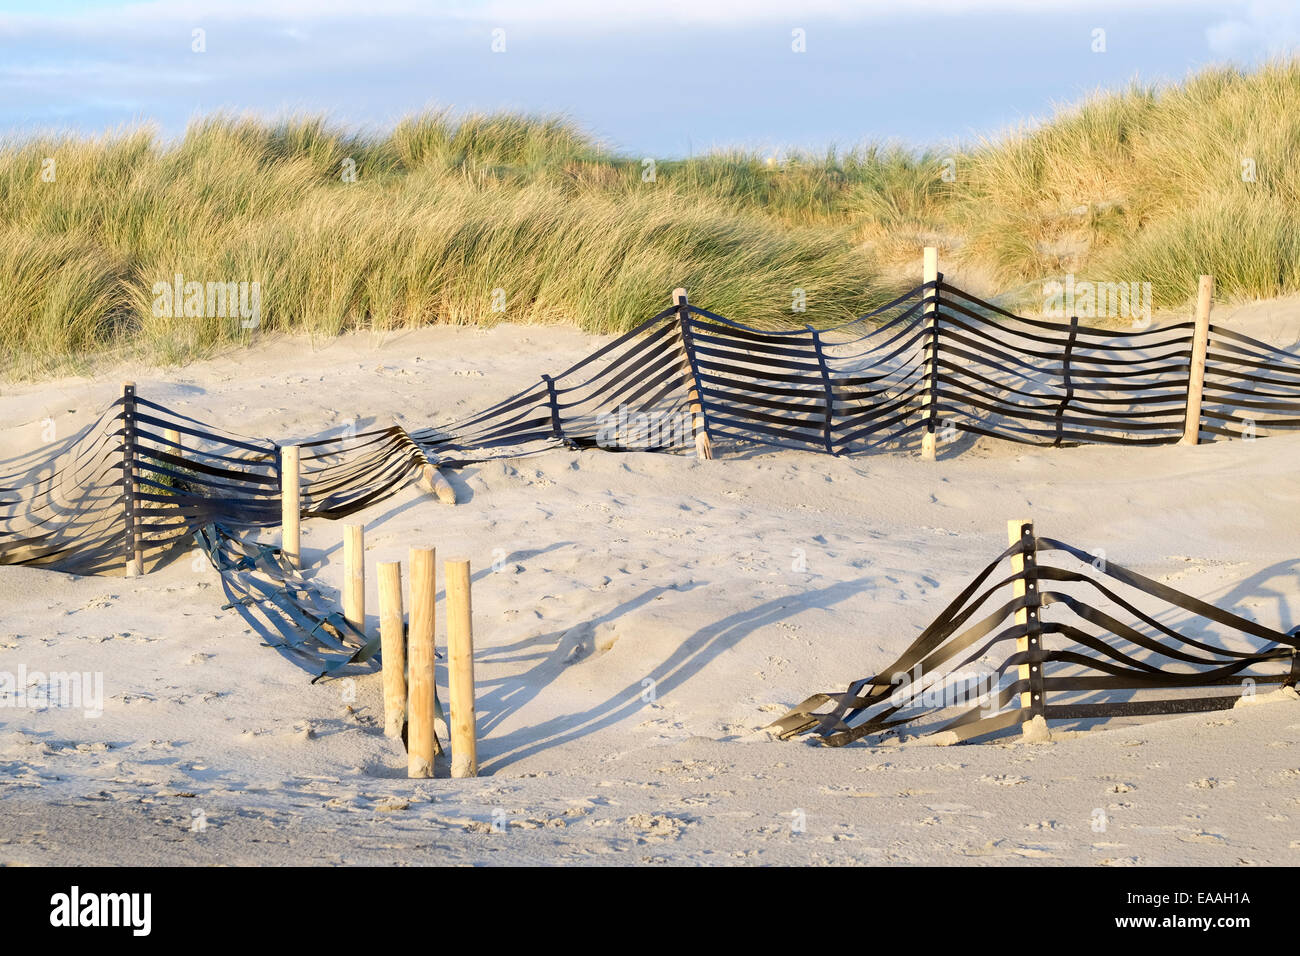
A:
{"points": [[732, 589]]}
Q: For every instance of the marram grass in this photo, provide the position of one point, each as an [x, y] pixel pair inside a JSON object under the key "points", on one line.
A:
{"points": [[503, 217]]}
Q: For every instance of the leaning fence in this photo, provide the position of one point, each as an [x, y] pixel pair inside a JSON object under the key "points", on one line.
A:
{"points": [[929, 366], [144, 481], [1118, 644]]}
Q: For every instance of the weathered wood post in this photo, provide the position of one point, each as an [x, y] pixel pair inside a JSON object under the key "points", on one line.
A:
{"points": [[290, 508], [703, 443], [1033, 699], [828, 393], [134, 556], [354, 576], [930, 274], [433, 482], [1196, 366], [460, 670], [392, 644], [421, 740]]}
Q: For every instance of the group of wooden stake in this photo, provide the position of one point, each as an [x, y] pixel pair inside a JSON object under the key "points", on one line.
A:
{"points": [[410, 697]]}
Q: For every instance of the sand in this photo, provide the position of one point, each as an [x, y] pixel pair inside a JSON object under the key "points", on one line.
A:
{"points": [[638, 618]]}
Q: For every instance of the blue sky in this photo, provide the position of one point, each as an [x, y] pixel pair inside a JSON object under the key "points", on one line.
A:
{"points": [[655, 78]]}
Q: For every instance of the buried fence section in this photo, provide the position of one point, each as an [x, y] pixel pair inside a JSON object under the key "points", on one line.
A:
{"points": [[1123, 645]]}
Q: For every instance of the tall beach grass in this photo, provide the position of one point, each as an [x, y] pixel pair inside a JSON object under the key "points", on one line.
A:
{"points": [[481, 219]]}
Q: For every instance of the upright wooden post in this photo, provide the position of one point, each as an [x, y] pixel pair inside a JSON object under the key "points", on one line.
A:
{"points": [[703, 444], [421, 740], [290, 508], [1196, 369], [460, 670], [172, 438], [134, 556], [1032, 700], [354, 576], [930, 273], [392, 644]]}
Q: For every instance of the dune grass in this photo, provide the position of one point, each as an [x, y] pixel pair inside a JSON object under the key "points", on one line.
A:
{"points": [[481, 219], [1148, 185]]}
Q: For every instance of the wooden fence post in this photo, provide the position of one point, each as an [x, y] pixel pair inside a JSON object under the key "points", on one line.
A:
{"points": [[1033, 699], [392, 644], [1196, 367], [703, 443], [421, 740], [930, 273], [460, 670], [290, 508], [134, 556], [828, 392], [354, 576]]}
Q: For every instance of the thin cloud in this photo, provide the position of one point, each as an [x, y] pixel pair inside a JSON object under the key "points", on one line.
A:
{"points": [[571, 14], [1264, 27]]}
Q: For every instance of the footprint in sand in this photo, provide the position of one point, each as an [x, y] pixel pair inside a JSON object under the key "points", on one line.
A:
{"points": [[1003, 779]]}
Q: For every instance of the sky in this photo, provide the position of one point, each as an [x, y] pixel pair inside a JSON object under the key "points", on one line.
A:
{"points": [[663, 78]]}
